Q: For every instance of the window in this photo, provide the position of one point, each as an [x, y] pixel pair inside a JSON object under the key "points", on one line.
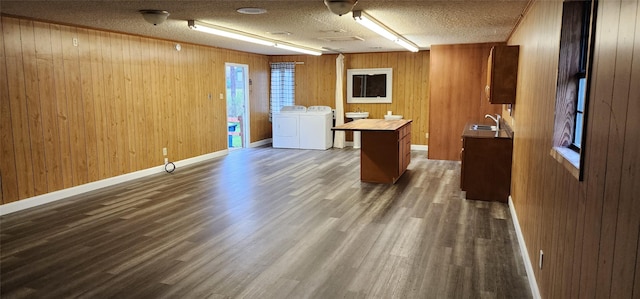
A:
{"points": [[576, 145], [282, 86], [581, 75], [573, 83]]}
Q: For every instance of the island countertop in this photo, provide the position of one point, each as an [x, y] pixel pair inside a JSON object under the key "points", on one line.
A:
{"points": [[369, 124]]}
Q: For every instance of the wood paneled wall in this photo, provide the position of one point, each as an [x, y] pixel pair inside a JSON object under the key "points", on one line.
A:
{"points": [[72, 115], [315, 84], [458, 78], [315, 78], [589, 231]]}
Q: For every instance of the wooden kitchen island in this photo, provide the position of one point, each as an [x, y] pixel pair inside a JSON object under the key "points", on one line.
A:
{"points": [[385, 149]]}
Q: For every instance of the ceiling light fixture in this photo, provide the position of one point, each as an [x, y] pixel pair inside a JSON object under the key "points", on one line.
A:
{"points": [[297, 49], [251, 10], [225, 32], [374, 25], [153, 16], [242, 36], [340, 7]]}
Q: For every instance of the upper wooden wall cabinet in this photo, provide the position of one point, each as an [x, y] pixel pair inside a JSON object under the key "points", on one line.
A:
{"points": [[502, 74]]}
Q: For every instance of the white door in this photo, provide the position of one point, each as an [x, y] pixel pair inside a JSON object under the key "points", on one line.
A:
{"points": [[237, 85]]}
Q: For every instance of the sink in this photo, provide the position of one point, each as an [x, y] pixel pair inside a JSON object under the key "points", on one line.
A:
{"points": [[484, 128], [357, 115], [356, 134], [392, 117]]}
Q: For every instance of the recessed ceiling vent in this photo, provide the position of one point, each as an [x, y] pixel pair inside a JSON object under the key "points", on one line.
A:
{"points": [[283, 33], [341, 38], [333, 31]]}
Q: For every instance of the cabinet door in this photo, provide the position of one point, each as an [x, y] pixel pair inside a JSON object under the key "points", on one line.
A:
{"points": [[401, 149], [487, 88], [404, 148], [462, 170], [486, 168], [502, 74], [407, 150]]}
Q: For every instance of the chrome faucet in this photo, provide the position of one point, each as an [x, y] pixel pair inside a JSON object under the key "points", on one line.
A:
{"points": [[496, 119]]}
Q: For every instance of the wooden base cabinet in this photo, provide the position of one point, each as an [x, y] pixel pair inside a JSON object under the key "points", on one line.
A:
{"points": [[385, 155], [486, 168], [385, 150]]}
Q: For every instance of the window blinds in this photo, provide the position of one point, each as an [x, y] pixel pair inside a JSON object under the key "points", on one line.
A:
{"points": [[282, 85]]}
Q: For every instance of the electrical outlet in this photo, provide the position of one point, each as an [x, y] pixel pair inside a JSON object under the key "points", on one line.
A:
{"points": [[221, 96], [75, 41], [426, 135], [540, 259], [164, 151]]}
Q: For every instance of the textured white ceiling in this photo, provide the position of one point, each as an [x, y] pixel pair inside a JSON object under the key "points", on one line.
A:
{"points": [[310, 23]]}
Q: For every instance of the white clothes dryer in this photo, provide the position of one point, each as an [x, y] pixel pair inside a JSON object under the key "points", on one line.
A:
{"points": [[315, 128], [286, 127]]}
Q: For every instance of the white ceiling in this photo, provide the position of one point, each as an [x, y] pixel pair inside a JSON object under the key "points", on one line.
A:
{"points": [[309, 22]]}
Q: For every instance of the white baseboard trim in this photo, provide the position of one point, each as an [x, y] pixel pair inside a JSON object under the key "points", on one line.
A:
{"points": [[261, 142], [535, 292], [201, 158], [419, 147], [65, 193], [414, 147]]}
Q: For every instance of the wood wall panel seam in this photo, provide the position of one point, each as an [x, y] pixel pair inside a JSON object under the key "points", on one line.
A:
{"points": [[629, 208], [32, 95], [615, 156], [601, 92], [8, 171], [16, 90]]}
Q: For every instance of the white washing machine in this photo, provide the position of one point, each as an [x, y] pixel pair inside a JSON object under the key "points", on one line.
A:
{"points": [[315, 128], [286, 126]]}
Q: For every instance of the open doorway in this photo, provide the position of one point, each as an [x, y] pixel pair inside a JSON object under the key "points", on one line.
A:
{"points": [[237, 78]]}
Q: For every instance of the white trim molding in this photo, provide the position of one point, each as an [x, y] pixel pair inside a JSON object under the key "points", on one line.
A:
{"points": [[261, 142], [65, 193], [535, 292], [419, 147]]}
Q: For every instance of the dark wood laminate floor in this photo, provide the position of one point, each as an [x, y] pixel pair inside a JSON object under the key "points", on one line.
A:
{"points": [[267, 223]]}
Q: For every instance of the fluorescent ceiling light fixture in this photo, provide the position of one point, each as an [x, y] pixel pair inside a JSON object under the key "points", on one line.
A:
{"points": [[224, 32], [407, 45], [379, 28], [298, 49], [242, 36]]}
